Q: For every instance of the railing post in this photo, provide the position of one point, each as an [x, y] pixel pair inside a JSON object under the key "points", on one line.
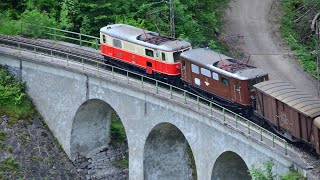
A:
{"points": [[51, 55], [112, 69], [211, 109], [236, 119], [170, 91], [286, 148], [273, 140], [19, 48], [128, 77], [98, 68], [142, 82], [248, 126], [198, 102], [260, 134], [97, 43], [224, 115], [67, 60], [82, 64], [55, 34], [157, 86], [80, 39], [185, 97], [35, 53]]}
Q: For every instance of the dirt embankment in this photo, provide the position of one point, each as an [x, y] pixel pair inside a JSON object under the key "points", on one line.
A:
{"points": [[257, 21]]}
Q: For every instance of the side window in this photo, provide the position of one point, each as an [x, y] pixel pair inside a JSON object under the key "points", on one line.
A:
{"points": [[215, 76], [197, 81], [117, 43], [224, 81], [149, 53], [195, 68], [104, 38], [205, 72], [163, 56]]}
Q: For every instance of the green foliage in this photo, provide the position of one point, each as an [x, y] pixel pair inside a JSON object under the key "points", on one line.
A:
{"points": [[118, 134], [266, 173], [13, 100], [123, 164], [292, 175], [297, 35], [9, 166], [263, 174], [194, 21]]}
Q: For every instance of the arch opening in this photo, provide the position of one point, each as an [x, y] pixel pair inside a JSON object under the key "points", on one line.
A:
{"points": [[95, 126], [167, 154], [230, 166]]}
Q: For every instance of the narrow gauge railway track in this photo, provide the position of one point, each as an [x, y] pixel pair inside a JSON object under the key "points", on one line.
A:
{"points": [[72, 52]]}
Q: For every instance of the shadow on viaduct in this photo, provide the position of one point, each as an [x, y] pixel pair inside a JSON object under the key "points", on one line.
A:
{"points": [[77, 108]]}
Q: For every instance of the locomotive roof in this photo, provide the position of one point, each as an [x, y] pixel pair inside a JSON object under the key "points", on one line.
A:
{"points": [[215, 61], [144, 37], [295, 98]]}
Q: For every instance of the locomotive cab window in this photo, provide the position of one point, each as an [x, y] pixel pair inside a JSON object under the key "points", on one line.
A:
{"points": [[149, 52], [195, 68], [104, 38], [205, 72], [224, 81], [176, 56], [117, 43]]}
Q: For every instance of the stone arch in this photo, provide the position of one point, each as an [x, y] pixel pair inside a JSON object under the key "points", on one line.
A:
{"points": [[230, 166], [166, 154], [90, 128]]}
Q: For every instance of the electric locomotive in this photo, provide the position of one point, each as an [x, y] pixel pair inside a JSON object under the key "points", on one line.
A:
{"points": [[140, 50], [221, 78]]}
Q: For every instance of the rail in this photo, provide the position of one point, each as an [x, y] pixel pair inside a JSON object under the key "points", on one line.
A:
{"points": [[200, 104]]}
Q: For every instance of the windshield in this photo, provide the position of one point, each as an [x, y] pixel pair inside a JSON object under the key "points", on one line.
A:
{"points": [[176, 55]]}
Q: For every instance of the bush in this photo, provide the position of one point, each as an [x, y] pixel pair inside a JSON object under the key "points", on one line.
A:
{"points": [[266, 173], [13, 100]]}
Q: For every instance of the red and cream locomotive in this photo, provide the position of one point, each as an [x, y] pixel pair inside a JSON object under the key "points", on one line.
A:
{"points": [[155, 54]]}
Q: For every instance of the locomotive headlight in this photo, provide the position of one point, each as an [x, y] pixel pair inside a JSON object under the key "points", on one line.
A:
{"points": [[178, 67], [252, 97]]}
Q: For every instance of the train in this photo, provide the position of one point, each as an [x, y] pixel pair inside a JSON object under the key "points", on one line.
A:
{"points": [[236, 85]]}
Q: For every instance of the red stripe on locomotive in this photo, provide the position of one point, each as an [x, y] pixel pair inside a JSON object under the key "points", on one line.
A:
{"points": [[172, 69]]}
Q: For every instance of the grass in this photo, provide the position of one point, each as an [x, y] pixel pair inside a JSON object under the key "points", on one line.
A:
{"points": [[123, 164]]}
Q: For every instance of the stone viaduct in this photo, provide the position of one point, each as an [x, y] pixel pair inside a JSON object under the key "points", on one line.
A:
{"points": [[76, 104]]}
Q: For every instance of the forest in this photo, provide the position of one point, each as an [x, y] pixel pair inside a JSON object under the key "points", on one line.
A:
{"points": [[196, 21]]}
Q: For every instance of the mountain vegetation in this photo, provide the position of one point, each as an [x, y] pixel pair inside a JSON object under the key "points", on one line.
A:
{"points": [[196, 21], [296, 30]]}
